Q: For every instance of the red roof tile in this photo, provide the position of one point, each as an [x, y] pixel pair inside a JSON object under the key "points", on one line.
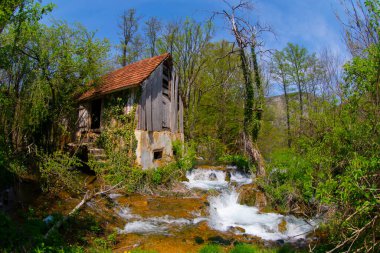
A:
{"points": [[130, 75]]}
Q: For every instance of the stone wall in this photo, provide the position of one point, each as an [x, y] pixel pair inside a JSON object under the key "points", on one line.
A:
{"points": [[149, 142]]}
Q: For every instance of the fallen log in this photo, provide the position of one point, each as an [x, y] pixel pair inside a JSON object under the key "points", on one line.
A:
{"points": [[87, 197]]}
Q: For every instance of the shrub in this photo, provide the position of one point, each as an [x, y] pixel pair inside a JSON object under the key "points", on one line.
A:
{"points": [[289, 180], [241, 162], [58, 173]]}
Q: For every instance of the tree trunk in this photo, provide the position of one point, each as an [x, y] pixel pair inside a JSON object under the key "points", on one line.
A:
{"points": [[124, 56], [249, 93], [260, 96], [287, 116], [249, 142], [254, 152]]}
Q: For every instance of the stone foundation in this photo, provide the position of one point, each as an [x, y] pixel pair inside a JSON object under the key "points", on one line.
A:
{"points": [[155, 149]]}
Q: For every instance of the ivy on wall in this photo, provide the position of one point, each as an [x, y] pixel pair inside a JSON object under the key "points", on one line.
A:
{"points": [[118, 136]]}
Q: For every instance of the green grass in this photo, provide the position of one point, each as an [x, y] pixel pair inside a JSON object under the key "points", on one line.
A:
{"points": [[245, 248], [211, 248]]}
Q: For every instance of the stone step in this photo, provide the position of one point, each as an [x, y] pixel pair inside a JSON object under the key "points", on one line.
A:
{"points": [[100, 157], [96, 151]]}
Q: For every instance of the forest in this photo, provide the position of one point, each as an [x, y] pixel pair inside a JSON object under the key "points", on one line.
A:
{"points": [[312, 151]]}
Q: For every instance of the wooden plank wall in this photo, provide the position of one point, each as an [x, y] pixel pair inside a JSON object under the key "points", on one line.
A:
{"points": [[157, 104], [173, 102], [150, 108], [142, 108]]}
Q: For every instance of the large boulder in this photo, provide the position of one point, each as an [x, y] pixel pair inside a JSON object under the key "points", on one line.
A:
{"points": [[251, 195], [247, 195]]}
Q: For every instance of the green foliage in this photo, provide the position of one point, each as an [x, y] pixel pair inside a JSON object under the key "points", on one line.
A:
{"points": [[335, 161], [58, 173], [215, 121], [184, 155], [45, 67], [118, 136], [211, 248], [243, 248], [134, 179], [241, 162], [209, 148], [289, 180]]}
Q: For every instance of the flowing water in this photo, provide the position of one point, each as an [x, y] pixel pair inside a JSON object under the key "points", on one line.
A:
{"points": [[225, 212], [214, 211]]}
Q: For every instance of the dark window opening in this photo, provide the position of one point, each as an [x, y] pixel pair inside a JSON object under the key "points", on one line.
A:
{"points": [[165, 88], [96, 107], [166, 71], [157, 154]]}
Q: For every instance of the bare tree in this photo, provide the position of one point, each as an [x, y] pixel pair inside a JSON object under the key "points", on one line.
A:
{"points": [[168, 37], [246, 37], [359, 29], [128, 27], [152, 30], [332, 76]]}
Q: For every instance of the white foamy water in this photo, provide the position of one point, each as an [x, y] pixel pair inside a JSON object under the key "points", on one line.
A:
{"points": [[214, 179], [206, 179], [154, 225], [240, 178], [226, 213]]}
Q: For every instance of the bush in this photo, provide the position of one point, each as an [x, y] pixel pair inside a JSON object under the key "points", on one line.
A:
{"points": [[58, 173], [289, 180], [241, 162], [135, 179], [209, 148]]}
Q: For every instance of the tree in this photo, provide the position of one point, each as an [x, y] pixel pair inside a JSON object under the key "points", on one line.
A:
{"points": [[128, 27], [166, 42], [245, 36], [8, 11], [280, 71], [305, 73], [49, 66], [360, 25], [297, 58], [152, 30], [217, 121], [187, 41]]}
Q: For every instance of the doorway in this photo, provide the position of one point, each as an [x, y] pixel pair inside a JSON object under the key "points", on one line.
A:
{"points": [[96, 107]]}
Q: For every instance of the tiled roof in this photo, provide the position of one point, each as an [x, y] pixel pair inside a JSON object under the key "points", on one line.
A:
{"points": [[130, 75]]}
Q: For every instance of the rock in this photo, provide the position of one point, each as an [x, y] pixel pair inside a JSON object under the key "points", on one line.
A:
{"points": [[236, 230], [247, 195], [199, 240], [212, 177], [282, 226], [240, 229], [228, 176], [203, 227], [219, 240], [261, 200]]}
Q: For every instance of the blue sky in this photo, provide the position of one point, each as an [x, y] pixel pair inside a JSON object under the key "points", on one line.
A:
{"points": [[310, 23]]}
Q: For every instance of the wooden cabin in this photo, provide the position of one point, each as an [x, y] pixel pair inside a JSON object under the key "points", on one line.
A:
{"points": [[152, 85]]}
